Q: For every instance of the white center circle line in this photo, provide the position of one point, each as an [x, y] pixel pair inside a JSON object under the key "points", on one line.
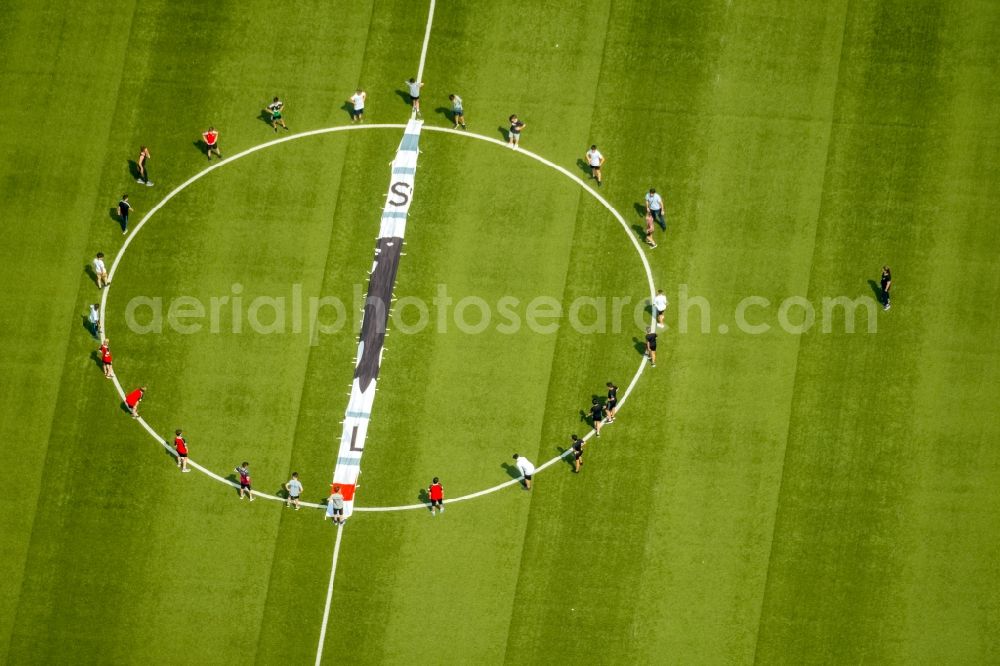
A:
{"points": [[346, 128]]}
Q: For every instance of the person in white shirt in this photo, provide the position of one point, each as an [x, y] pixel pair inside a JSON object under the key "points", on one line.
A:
{"points": [[414, 87], [276, 110], [358, 100], [294, 489], [94, 319], [596, 161], [101, 271], [335, 506], [654, 205], [527, 469], [660, 304], [457, 113]]}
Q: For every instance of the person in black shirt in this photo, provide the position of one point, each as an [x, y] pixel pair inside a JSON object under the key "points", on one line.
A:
{"points": [[597, 416], [514, 133], [886, 283], [577, 448], [611, 406], [651, 345], [124, 208]]}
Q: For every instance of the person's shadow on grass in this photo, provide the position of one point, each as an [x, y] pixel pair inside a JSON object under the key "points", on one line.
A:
{"points": [[446, 112], [113, 214], [640, 346], [348, 108], [640, 208], [91, 328], [877, 290], [640, 231], [564, 454], [504, 133], [200, 146], [424, 498], [512, 470], [584, 167], [405, 96], [133, 169], [234, 480], [89, 270], [169, 450], [96, 356]]}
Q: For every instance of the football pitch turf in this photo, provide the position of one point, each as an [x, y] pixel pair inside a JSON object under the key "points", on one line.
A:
{"points": [[800, 479]]}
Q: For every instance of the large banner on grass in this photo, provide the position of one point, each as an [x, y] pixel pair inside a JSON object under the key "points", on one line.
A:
{"points": [[388, 249]]}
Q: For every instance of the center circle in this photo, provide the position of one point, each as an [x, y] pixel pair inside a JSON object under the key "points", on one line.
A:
{"points": [[269, 144]]}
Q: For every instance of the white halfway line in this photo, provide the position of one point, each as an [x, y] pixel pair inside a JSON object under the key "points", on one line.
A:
{"points": [[329, 594], [340, 528], [427, 40]]}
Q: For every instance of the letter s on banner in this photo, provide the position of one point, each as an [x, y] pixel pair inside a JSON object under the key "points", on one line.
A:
{"points": [[402, 190]]}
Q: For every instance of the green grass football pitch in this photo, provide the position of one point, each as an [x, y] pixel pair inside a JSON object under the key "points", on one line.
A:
{"points": [[766, 495]]}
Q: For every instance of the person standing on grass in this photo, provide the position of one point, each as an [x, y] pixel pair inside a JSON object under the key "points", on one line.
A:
{"points": [[886, 283], [654, 205], [181, 447], [514, 133], [100, 271], [611, 406], [577, 448], [294, 489], [457, 112], [243, 471], [94, 320], [275, 108], [358, 100], [105, 352], [436, 492], [211, 138], [124, 208], [133, 399], [527, 469], [596, 415], [142, 164], [651, 345], [660, 304], [335, 506], [596, 160], [649, 230], [414, 86]]}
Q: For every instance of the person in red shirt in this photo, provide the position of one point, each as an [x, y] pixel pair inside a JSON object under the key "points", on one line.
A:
{"points": [[211, 138], [133, 399], [105, 352], [181, 446], [436, 493], [244, 473]]}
